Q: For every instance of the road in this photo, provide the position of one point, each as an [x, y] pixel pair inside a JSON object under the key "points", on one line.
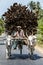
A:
{"points": [[17, 59]]}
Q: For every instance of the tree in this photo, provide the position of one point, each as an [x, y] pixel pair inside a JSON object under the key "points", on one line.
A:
{"points": [[1, 26], [40, 29], [32, 5], [38, 5], [35, 7]]}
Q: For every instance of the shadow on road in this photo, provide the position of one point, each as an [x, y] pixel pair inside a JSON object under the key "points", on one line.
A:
{"points": [[25, 56], [36, 57], [18, 56]]}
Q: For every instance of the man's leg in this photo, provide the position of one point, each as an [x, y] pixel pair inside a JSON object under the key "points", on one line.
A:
{"points": [[15, 44]]}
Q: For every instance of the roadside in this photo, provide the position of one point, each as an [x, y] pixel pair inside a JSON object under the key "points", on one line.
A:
{"points": [[39, 48]]}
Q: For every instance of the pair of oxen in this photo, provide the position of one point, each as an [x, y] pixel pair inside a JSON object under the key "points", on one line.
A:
{"points": [[19, 42]]}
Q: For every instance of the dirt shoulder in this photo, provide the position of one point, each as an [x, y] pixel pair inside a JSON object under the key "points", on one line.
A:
{"points": [[40, 49]]}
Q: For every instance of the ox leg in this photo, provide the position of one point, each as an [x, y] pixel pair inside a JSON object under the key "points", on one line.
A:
{"points": [[8, 52]]}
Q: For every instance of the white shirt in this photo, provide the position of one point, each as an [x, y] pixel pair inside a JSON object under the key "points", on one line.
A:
{"points": [[21, 34]]}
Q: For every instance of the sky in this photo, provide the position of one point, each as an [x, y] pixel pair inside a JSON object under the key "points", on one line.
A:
{"points": [[4, 4]]}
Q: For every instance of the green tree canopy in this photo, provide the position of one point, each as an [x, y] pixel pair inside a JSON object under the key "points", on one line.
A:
{"points": [[35, 7], [1, 26]]}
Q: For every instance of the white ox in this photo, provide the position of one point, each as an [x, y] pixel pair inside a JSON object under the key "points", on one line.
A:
{"points": [[8, 46]]}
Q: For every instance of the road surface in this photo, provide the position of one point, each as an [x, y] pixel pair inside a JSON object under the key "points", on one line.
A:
{"points": [[17, 59]]}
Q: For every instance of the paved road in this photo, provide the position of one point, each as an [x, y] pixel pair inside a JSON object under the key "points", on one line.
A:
{"points": [[18, 59]]}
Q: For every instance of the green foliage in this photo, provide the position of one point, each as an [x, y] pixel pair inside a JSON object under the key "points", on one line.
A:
{"points": [[34, 5], [35, 8], [1, 26], [40, 30], [40, 15], [40, 26]]}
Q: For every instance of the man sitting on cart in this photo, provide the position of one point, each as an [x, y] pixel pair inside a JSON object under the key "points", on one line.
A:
{"points": [[19, 33]]}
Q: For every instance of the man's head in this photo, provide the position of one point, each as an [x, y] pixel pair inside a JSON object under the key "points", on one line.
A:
{"points": [[19, 28]]}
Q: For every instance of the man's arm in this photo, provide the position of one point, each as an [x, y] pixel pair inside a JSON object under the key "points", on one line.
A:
{"points": [[15, 35], [24, 35]]}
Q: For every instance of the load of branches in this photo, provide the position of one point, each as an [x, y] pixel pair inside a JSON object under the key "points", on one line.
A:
{"points": [[18, 15]]}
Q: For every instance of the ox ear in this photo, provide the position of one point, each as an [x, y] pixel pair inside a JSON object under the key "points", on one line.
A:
{"points": [[34, 37]]}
